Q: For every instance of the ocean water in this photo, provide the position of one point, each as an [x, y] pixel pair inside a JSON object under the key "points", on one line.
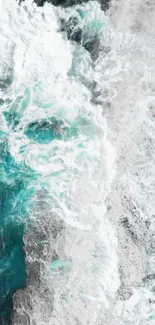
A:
{"points": [[77, 164]]}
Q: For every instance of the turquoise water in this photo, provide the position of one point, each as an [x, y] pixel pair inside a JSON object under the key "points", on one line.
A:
{"points": [[14, 202], [53, 129]]}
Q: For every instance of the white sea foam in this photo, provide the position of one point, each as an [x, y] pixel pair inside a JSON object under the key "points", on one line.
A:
{"points": [[54, 76]]}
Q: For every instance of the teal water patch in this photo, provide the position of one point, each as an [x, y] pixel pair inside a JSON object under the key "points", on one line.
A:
{"points": [[151, 317], [60, 264], [94, 28], [15, 199], [12, 256], [12, 119], [26, 100], [45, 131], [82, 13]]}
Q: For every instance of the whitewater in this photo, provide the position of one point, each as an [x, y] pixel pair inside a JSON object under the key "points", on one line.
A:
{"points": [[77, 155]]}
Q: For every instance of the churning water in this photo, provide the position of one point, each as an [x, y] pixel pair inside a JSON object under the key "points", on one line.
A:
{"points": [[77, 153]]}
